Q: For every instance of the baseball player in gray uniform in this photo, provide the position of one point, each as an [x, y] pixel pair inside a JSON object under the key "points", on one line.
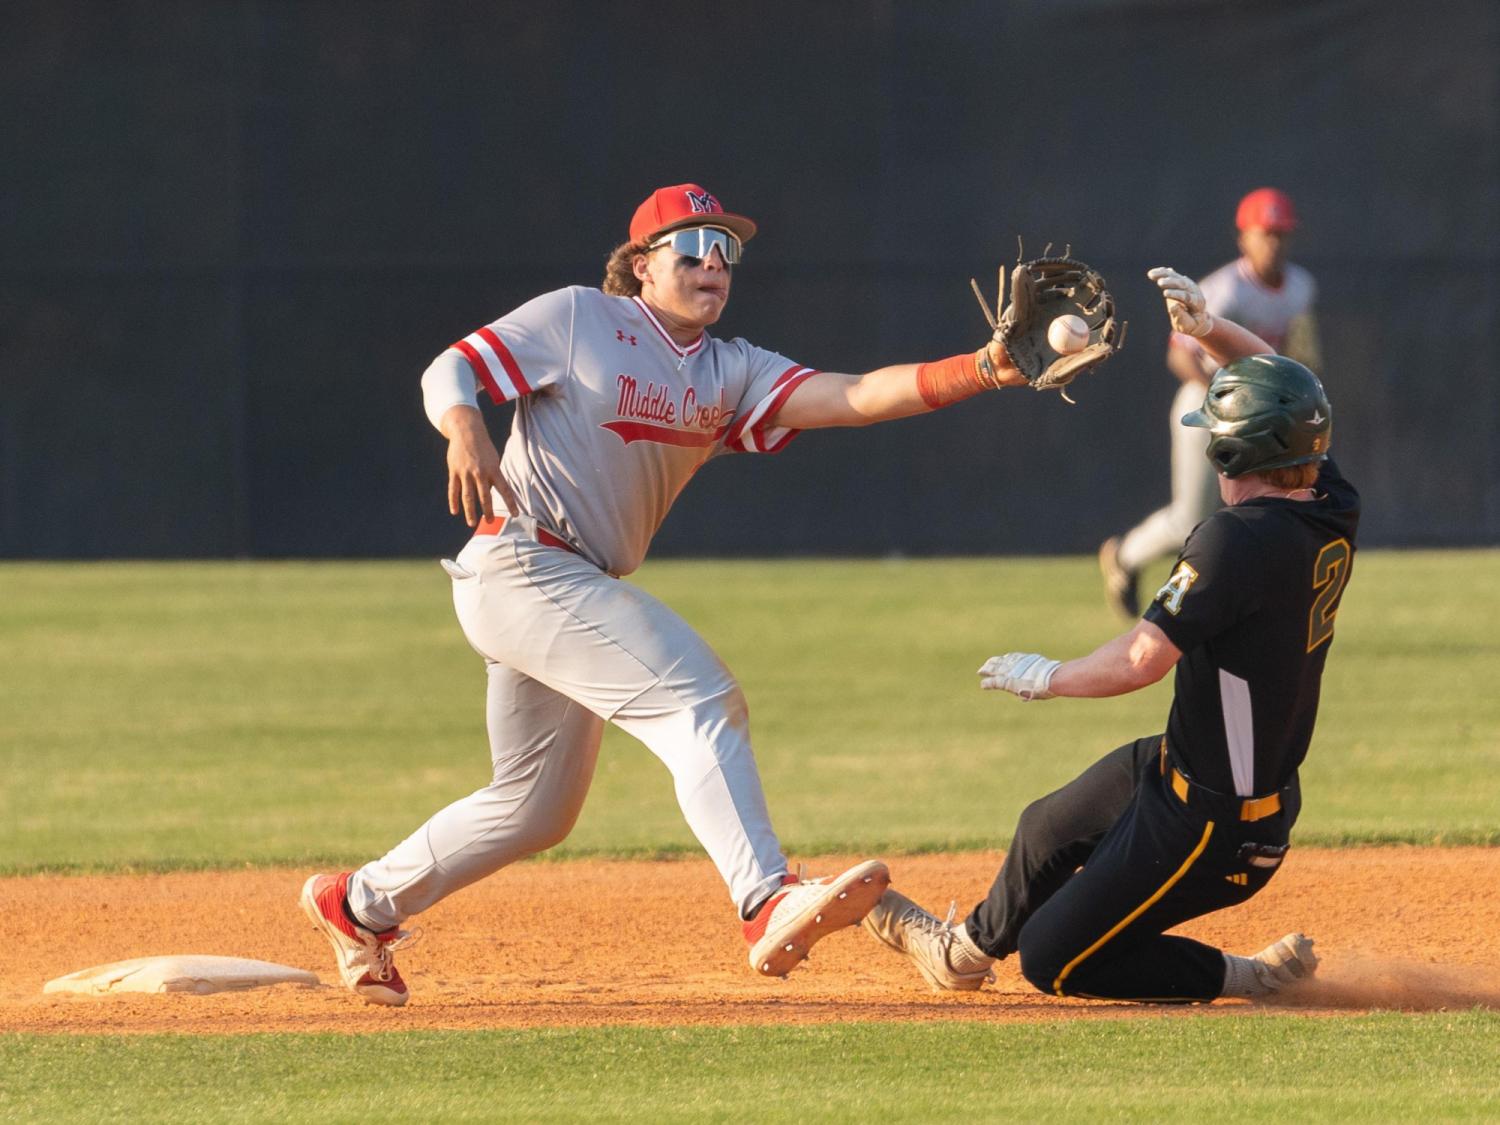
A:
{"points": [[621, 395], [1273, 298]]}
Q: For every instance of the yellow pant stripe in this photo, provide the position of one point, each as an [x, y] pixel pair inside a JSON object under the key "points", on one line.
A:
{"points": [[1057, 985]]}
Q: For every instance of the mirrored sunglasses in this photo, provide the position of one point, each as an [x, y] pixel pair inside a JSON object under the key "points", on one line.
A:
{"points": [[698, 242]]}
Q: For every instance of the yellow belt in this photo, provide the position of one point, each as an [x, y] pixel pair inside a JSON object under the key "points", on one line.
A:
{"points": [[1251, 808]]}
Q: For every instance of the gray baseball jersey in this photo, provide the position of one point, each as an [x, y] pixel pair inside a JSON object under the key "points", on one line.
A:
{"points": [[613, 417], [1234, 291]]}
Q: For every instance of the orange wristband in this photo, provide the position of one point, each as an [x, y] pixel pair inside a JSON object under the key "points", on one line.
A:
{"points": [[946, 381]]}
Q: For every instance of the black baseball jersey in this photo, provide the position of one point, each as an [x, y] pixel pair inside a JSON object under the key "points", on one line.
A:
{"points": [[1251, 604]]}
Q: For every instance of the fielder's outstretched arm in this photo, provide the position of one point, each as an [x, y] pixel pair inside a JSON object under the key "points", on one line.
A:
{"points": [[833, 399], [1046, 294]]}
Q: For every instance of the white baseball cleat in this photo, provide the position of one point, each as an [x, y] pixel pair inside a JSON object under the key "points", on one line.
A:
{"points": [[1287, 962], [945, 956], [803, 912], [364, 958]]}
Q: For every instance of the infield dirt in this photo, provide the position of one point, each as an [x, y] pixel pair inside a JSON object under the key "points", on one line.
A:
{"points": [[656, 943]]}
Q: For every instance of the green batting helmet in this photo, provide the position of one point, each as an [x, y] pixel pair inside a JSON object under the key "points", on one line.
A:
{"points": [[1264, 412]]}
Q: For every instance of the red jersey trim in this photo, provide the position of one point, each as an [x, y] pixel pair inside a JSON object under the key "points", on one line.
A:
{"points": [[692, 349], [493, 365], [749, 435], [512, 368], [481, 372], [662, 435]]}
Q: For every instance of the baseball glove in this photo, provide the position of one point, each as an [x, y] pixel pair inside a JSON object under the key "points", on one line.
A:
{"points": [[1041, 290]]}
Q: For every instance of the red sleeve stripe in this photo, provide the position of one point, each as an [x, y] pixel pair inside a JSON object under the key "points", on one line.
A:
{"points": [[512, 368], [749, 435], [493, 365], [481, 372]]}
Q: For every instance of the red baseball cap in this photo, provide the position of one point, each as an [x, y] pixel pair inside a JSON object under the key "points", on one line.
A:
{"points": [[685, 205], [1268, 209]]}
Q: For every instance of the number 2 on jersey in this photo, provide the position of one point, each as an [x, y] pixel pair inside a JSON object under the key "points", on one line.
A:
{"points": [[1330, 573]]}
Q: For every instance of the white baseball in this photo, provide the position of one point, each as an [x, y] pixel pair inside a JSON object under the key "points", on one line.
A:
{"points": [[1068, 334]]}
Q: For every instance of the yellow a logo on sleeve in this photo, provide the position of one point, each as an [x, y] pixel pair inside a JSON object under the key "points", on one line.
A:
{"points": [[1176, 589]]}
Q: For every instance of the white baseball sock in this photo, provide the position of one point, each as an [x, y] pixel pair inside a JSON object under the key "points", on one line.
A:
{"points": [[1240, 978], [964, 956]]}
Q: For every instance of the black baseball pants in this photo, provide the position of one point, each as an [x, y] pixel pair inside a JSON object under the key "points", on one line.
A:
{"points": [[1101, 867]]}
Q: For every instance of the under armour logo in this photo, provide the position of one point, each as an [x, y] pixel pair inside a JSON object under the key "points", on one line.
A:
{"points": [[620, 336], [1316, 419], [704, 204]]}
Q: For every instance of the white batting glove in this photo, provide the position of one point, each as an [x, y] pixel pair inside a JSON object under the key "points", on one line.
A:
{"points": [[1185, 304], [1026, 674]]}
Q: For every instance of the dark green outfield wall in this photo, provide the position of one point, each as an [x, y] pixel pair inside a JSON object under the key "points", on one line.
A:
{"points": [[232, 234]]}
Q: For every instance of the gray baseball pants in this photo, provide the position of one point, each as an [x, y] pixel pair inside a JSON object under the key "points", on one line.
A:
{"points": [[1195, 490], [567, 648]]}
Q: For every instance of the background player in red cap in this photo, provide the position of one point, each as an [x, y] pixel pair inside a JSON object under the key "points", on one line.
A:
{"points": [[621, 395], [1273, 298]]}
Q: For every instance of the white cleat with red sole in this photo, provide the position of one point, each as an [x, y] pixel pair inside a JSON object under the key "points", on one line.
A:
{"points": [[803, 912]]}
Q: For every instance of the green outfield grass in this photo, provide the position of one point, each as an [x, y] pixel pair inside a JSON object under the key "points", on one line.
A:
{"points": [[209, 715], [215, 714], [1379, 1068]]}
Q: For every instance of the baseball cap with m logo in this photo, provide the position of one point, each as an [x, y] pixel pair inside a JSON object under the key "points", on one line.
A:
{"points": [[685, 205]]}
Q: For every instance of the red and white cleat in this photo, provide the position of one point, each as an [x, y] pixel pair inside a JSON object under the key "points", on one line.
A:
{"points": [[364, 957], [803, 912]]}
